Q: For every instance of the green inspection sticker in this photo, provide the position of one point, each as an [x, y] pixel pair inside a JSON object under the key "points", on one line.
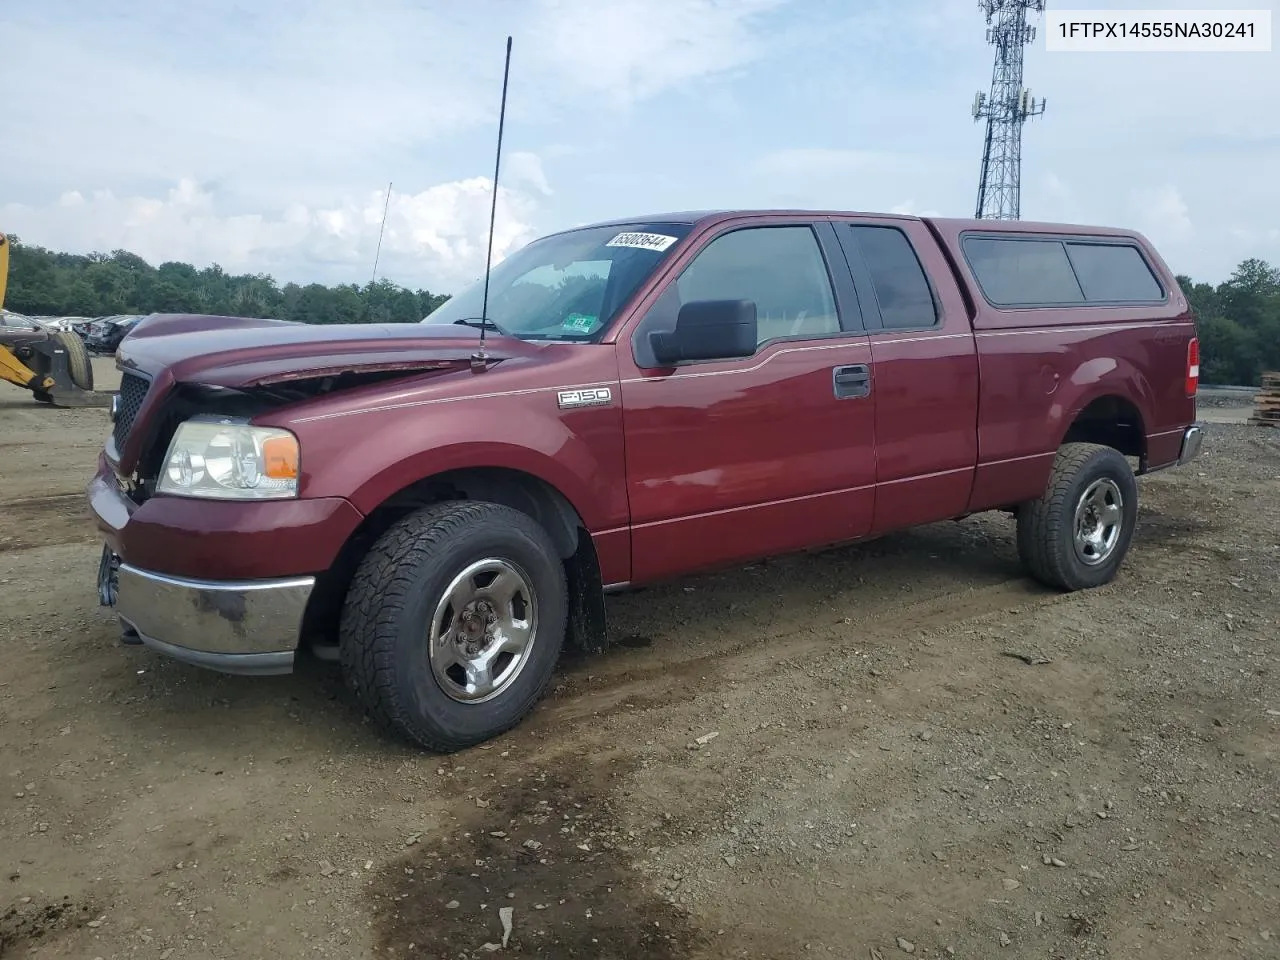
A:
{"points": [[579, 322]]}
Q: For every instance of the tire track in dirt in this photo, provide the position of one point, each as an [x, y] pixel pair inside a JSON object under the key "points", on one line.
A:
{"points": [[32, 522], [27, 924]]}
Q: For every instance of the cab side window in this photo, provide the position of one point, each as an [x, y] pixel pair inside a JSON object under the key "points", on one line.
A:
{"points": [[897, 278], [781, 269]]}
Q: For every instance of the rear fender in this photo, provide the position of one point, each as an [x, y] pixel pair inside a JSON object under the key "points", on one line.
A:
{"points": [[1094, 379]]}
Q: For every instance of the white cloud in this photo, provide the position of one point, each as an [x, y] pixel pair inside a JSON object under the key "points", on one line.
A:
{"points": [[1161, 213], [828, 178], [820, 161], [633, 50], [1056, 188], [434, 238], [1250, 235], [288, 118], [300, 97], [262, 136], [909, 208]]}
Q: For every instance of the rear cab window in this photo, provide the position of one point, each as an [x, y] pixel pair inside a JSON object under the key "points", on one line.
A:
{"points": [[1033, 271], [1113, 273]]}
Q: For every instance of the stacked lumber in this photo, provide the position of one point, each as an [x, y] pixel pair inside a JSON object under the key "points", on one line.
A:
{"points": [[1266, 411]]}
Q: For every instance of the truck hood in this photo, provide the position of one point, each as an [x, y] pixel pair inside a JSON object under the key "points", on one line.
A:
{"points": [[243, 352]]}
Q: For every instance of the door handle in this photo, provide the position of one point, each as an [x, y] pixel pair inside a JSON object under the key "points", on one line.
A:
{"points": [[851, 381]]}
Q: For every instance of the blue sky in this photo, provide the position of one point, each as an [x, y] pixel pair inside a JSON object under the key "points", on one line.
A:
{"points": [[261, 135]]}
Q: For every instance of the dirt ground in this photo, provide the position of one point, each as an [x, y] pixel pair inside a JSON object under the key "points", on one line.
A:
{"points": [[904, 747]]}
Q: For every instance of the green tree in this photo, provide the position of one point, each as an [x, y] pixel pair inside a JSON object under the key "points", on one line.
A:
{"points": [[46, 283], [1239, 323]]}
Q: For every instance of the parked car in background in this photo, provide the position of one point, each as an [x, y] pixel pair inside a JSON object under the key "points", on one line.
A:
{"points": [[104, 334]]}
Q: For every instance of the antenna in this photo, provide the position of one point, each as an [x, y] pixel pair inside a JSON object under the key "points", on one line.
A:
{"points": [[378, 253], [478, 359], [1006, 108]]}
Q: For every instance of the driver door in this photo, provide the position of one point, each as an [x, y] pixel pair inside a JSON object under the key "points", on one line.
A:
{"points": [[730, 460]]}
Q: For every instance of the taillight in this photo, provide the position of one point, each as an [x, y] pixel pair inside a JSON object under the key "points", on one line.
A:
{"points": [[1193, 366]]}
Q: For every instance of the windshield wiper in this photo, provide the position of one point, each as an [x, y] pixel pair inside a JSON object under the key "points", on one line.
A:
{"points": [[480, 323]]}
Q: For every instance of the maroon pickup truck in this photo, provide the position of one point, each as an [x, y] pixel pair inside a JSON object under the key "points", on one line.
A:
{"points": [[442, 506]]}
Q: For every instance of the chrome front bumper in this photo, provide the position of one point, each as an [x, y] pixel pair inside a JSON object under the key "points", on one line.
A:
{"points": [[1192, 439], [249, 627]]}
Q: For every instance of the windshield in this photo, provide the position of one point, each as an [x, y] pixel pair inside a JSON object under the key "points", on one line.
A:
{"points": [[568, 286]]}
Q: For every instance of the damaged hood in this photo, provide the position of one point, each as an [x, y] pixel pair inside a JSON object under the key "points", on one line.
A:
{"points": [[240, 352]]}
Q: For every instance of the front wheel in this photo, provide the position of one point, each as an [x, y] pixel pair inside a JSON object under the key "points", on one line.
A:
{"points": [[453, 623], [1077, 533]]}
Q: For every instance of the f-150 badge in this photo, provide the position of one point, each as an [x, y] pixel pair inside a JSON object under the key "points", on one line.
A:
{"points": [[588, 397]]}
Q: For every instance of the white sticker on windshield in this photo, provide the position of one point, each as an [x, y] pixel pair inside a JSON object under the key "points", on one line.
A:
{"points": [[644, 241]]}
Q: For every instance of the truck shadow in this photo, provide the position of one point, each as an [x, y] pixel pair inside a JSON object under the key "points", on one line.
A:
{"points": [[728, 609], [1162, 527]]}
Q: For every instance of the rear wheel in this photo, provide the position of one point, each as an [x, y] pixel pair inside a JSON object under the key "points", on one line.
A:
{"points": [[1076, 535], [77, 358], [453, 623]]}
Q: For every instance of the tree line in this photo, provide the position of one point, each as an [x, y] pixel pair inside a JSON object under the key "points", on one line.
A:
{"points": [[1239, 319], [1239, 323], [45, 283]]}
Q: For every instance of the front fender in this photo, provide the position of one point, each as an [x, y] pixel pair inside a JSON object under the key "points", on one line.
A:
{"points": [[374, 454]]}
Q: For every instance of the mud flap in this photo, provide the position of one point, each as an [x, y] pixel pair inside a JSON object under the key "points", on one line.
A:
{"points": [[588, 619]]}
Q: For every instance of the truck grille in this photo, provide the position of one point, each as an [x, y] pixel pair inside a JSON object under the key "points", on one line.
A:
{"points": [[133, 390]]}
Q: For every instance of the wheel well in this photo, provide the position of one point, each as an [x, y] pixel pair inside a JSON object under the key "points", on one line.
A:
{"points": [[513, 488], [1114, 422]]}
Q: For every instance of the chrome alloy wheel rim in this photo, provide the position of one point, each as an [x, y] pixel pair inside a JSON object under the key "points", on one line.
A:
{"points": [[482, 632], [1098, 520]]}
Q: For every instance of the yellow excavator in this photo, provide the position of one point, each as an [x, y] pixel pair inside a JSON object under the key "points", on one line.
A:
{"points": [[53, 364]]}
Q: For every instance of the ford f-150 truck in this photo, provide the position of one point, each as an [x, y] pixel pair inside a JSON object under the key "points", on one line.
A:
{"points": [[441, 507]]}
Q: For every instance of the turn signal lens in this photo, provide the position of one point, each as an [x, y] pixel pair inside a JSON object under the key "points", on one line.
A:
{"points": [[280, 458]]}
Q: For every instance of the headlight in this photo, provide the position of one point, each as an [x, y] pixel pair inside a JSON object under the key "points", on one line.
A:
{"points": [[230, 460]]}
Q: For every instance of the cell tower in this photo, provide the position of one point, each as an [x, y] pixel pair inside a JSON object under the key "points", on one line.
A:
{"points": [[1005, 108]]}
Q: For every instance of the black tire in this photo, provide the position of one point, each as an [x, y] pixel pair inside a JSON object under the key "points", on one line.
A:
{"points": [[388, 611], [77, 358], [1047, 526]]}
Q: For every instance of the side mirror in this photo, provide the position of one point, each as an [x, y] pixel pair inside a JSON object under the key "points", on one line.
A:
{"points": [[708, 330]]}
